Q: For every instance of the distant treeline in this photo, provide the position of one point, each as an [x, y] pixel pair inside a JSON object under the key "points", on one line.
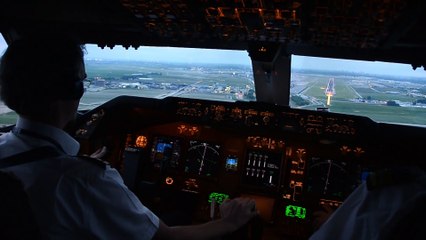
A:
{"points": [[358, 74]]}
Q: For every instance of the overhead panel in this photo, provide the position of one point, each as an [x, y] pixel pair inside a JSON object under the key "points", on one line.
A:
{"points": [[337, 23]]}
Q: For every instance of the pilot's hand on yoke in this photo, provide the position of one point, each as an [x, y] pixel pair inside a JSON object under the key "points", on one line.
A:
{"points": [[238, 211]]}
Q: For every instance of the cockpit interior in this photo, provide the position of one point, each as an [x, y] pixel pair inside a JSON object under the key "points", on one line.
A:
{"points": [[183, 156]]}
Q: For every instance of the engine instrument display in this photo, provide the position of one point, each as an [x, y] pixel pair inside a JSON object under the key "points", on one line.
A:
{"points": [[263, 168], [202, 159]]}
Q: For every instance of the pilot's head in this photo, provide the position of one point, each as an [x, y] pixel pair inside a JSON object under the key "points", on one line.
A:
{"points": [[37, 72]]}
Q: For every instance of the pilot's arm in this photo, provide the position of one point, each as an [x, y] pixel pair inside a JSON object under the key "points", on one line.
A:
{"points": [[235, 213]]}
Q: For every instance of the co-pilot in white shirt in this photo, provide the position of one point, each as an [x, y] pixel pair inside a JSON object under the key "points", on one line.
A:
{"points": [[388, 212], [73, 198]]}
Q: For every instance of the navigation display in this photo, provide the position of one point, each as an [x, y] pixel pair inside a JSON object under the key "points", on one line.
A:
{"points": [[331, 178], [202, 159], [165, 152]]}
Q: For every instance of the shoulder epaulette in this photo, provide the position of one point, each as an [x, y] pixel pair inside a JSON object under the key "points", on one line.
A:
{"points": [[96, 161], [30, 156]]}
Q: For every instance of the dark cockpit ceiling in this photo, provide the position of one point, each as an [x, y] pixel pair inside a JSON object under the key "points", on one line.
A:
{"points": [[383, 30]]}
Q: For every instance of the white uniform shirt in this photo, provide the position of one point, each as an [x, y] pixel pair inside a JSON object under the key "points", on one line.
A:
{"points": [[379, 213], [73, 198]]}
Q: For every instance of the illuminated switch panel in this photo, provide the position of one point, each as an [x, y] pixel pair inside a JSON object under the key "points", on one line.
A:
{"points": [[262, 168], [292, 211], [293, 188]]}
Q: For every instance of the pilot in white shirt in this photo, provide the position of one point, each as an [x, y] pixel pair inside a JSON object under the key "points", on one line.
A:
{"points": [[41, 78], [74, 197], [390, 207]]}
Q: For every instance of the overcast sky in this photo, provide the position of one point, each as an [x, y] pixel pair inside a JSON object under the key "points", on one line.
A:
{"points": [[191, 55], [170, 54], [383, 68]]}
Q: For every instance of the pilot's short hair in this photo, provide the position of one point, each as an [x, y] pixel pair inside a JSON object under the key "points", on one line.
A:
{"points": [[36, 70]]}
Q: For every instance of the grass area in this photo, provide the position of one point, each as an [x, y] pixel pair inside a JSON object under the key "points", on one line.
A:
{"points": [[209, 96], [171, 73], [319, 84], [365, 92], [346, 88], [91, 100], [380, 113], [383, 96], [343, 90], [112, 69]]}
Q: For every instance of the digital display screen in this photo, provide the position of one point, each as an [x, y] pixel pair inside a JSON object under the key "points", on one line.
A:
{"points": [[202, 158], [165, 152], [231, 163], [164, 147], [332, 178]]}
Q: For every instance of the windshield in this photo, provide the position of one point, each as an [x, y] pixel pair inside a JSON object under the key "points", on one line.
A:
{"points": [[385, 92], [159, 72]]}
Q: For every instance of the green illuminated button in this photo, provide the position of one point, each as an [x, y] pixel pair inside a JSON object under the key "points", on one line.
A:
{"points": [[218, 197], [295, 212]]}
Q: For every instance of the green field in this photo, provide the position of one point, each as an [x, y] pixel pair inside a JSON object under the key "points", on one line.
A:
{"points": [[353, 94], [380, 113], [319, 84], [91, 100], [170, 73]]}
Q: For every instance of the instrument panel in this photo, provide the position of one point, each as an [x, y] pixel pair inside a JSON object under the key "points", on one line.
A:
{"points": [[183, 157]]}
